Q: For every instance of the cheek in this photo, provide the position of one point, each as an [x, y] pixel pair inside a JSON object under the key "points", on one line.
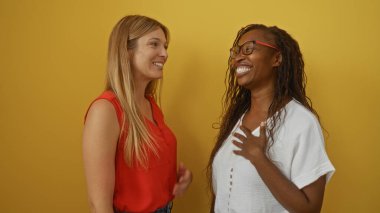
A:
{"points": [[136, 62], [140, 60], [257, 58], [261, 61]]}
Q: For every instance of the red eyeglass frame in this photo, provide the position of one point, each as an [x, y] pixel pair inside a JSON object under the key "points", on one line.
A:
{"points": [[255, 42]]}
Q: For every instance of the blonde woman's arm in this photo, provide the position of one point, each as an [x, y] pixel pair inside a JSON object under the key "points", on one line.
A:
{"points": [[100, 135]]}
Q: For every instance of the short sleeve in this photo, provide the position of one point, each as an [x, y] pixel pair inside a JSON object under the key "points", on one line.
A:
{"points": [[310, 160]]}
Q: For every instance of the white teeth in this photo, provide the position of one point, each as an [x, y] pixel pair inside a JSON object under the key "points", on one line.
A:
{"points": [[242, 69], [158, 64]]}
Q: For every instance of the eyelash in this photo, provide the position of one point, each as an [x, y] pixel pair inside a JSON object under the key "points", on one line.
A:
{"points": [[157, 44], [253, 48], [154, 44]]}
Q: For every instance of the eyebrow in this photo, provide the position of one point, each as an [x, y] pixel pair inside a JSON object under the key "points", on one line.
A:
{"points": [[156, 39]]}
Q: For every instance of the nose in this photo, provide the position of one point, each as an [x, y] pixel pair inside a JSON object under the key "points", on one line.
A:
{"points": [[164, 52], [240, 56]]}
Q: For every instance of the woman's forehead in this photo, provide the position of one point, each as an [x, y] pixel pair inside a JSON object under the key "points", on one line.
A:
{"points": [[250, 35], [255, 34]]}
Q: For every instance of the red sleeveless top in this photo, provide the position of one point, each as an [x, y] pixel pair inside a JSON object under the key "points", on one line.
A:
{"points": [[138, 189]]}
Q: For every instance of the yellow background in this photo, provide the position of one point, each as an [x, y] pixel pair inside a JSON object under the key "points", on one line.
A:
{"points": [[52, 64]]}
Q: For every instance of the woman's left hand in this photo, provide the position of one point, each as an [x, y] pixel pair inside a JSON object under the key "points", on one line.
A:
{"points": [[251, 147], [183, 181]]}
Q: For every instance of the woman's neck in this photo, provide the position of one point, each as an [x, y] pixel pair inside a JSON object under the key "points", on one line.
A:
{"points": [[261, 100], [139, 93]]}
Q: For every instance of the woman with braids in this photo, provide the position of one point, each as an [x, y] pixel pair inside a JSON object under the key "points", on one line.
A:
{"points": [[269, 155], [129, 152]]}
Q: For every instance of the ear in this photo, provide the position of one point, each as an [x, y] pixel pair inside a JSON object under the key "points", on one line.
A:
{"points": [[130, 52], [277, 59]]}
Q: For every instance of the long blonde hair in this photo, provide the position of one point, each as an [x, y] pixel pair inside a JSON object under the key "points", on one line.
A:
{"points": [[120, 80]]}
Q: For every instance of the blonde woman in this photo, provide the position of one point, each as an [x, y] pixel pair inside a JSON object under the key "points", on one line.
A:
{"points": [[129, 152]]}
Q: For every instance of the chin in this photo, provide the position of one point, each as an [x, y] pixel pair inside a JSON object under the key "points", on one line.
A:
{"points": [[246, 84], [156, 75], [242, 81]]}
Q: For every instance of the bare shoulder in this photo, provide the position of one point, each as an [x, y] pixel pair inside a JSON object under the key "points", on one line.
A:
{"points": [[101, 109], [101, 122]]}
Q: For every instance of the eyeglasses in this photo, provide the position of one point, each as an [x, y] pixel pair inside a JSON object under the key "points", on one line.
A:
{"points": [[248, 47]]}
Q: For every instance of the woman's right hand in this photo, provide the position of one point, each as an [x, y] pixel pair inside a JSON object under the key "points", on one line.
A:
{"points": [[251, 147]]}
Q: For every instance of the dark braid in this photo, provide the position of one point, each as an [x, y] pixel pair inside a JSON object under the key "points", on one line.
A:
{"points": [[291, 77]]}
